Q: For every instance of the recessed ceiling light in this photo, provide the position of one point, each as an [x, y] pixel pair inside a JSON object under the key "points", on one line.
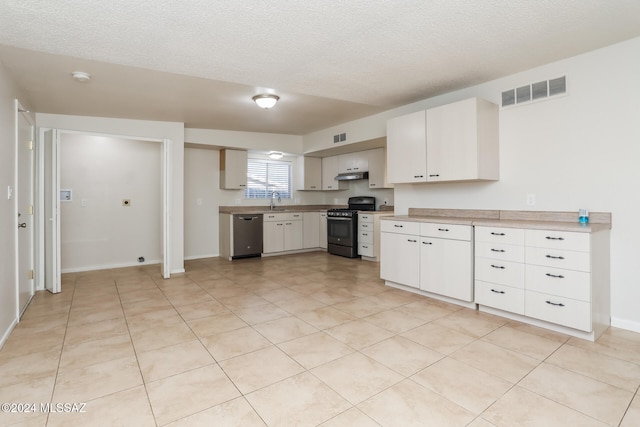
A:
{"points": [[81, 76]]}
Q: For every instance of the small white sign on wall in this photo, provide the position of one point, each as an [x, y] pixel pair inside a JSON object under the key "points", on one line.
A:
{"points": [[66, 195]]}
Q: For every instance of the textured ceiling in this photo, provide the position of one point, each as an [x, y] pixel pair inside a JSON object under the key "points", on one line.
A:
{"points": [[331, 61]]}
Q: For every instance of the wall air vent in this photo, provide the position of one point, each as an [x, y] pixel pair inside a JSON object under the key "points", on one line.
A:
{"points": [[534, 92]]}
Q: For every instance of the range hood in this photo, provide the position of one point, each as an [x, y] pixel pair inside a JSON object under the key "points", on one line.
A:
{"points": [[352, 176]]}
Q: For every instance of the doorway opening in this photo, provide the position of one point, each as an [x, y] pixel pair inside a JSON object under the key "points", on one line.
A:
{"points": [[117, 209]]}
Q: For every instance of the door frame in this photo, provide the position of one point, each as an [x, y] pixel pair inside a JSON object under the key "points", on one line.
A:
{"points": [[166, 179], [21, 111]]}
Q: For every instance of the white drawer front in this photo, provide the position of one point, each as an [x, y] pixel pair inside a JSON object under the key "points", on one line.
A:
{"points": [[365, 236], [365, 217], [570, 260], [365, 249], [446, 231], [555, 281], [289, 216], [570, 241], [498, 271], [365, 226], [401, 227], [511, 236], [501, 297], [500, 251], [562, 311]]}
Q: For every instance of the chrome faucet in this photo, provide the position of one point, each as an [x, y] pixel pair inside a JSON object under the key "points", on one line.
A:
{"points": [[272, 205]]}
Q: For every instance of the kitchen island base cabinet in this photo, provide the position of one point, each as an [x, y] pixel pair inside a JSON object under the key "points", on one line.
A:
{"points": [[559, 281], [431, 259]]}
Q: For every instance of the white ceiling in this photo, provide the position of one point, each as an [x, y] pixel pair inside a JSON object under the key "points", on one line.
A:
{"points": [[330, 61]]}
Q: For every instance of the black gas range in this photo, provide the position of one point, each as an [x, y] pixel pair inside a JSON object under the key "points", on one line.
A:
{"points": [[342, 226]]}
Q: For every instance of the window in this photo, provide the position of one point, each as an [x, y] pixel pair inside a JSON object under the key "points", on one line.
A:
{"points": [[267, 176]]}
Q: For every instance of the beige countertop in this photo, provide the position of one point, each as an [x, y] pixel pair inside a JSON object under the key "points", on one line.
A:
{"points": [[544, 220], [290, 208]]}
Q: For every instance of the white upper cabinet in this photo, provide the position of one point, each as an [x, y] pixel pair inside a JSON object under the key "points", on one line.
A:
{"points": [[329, 172], [309, 173], [353, 162], [454, 142], [378, 169], [462, 141], [407, 148], [233, 169]]}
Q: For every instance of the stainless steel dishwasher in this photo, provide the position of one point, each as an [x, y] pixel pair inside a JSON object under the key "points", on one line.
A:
{"points": [[247, 235]]}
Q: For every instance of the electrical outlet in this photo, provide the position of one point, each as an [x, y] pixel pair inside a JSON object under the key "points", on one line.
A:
{"points": [[531, 199], [199, 201]]}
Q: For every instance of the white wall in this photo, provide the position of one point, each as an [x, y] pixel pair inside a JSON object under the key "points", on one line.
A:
{"points": [[578, 150], [97, 231], [144, 130], [8, 220]]}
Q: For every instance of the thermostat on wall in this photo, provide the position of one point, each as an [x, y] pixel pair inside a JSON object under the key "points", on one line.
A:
{"points": [[66, 195]]}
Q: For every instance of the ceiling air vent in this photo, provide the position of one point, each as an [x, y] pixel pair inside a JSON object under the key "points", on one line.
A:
{"points": [[534, 91]]}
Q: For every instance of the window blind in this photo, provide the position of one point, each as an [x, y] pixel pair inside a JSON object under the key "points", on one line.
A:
{"points": [[267, 176]]}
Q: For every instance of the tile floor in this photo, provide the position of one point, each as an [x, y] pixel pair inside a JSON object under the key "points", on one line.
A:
{"points": [[303, 340]]}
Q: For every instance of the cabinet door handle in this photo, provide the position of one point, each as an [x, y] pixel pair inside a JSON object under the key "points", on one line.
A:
{"points": [[364, 234], [371, 185], [427, 243], [366, 247], [418, 176], [411, 240], [555, 276], [434, 175], [497, 250], [497, 234], [554, 238], [497, 292], [554, 257], [443, 229], [501, 267], [557, 304], [398, 225]]}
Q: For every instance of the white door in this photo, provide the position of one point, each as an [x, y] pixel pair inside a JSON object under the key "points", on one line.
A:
{"points": [[25, 198], [52, 280], [165, 169]]}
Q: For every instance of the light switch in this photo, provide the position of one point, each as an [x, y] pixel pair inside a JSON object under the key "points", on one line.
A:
{"points": [[199, 201], [9, 192]]}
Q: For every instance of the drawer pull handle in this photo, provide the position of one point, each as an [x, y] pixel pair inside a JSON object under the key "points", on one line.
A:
{"points": [[364, 234], [555, 276], [498, 266], [554, 238], [418, 176], [497, 250], [434, 174], [427, 243], [498, 292], [411, 240], [497, 234], [554, 257], [557, 304], [443, 229], [397, 225]]}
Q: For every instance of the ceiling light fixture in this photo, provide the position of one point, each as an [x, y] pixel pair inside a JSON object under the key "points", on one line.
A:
{"points": [[81, 76], [266, 100], [275, 155]]}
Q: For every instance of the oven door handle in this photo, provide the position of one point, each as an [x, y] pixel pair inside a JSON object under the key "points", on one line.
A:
{"points": [[335, 218]]}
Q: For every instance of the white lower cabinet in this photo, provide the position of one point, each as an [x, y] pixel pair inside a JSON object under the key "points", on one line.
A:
{"points": [[446, 263], [369, 235], [282, 232], [400, 252], [311, 232], [323, 230], [435, 258], [557, 277]]}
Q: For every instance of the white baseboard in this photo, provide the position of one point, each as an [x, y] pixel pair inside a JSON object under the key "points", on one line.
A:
{"points": [[625, 324], [6, 333], [109, 266], [189, 258]]}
